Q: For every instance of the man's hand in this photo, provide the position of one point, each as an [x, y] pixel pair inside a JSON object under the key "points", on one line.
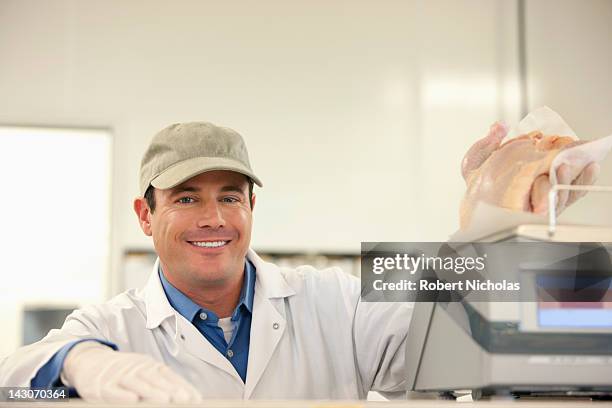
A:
{"points": [[101, 374], [566, 174]]}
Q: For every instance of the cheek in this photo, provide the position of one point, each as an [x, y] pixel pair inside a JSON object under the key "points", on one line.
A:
{"points": [[242, 220], [167, 227]]}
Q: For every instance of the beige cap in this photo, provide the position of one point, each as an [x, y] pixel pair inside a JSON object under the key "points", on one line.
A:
{"points": [[184, 150]]}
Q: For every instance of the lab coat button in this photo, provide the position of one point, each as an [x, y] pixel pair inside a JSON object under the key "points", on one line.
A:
{"points": [[182, 337], [230, 353], [203, 316], [275, 326]]}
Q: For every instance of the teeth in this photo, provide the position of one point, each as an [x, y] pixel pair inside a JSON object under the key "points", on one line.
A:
{"points": [[209, 244]]}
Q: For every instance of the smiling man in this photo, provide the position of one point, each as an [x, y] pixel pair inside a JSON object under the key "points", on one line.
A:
{"points": [[215, 320], [201, 230]]}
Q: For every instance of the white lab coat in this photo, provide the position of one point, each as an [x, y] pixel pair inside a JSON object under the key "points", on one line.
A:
{"points": [[311, 337]]}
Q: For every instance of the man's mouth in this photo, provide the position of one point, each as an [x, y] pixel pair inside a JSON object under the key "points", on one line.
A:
{"points": [[209, 244]]}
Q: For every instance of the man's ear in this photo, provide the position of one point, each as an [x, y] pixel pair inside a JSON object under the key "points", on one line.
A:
{"points": [[143, 212], [252, 202]]}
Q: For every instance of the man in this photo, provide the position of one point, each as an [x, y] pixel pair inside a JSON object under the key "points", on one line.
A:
{"points": [[214, 320]]}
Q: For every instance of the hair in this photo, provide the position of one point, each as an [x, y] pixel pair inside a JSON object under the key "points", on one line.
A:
{"points": [[149, 195]]}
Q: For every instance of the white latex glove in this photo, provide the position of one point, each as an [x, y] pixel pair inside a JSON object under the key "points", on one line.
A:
{"points": [[566, 174], [99, 373]]}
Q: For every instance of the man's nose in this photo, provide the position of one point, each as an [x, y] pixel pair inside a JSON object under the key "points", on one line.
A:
{"points": [[211, 216]]}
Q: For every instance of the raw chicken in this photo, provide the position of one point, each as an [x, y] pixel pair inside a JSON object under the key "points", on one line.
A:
{"points": [[515, 175]]}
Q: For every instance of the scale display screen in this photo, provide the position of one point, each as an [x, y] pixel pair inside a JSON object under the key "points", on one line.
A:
{"points": [[574, 302], [568, 316]]}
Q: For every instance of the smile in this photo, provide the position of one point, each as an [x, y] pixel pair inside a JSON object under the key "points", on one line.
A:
{"points": [[209, 244]]}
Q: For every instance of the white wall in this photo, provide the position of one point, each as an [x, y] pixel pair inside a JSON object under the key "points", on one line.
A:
{"points": [[356, 113], [345, 106], [569, 56]]}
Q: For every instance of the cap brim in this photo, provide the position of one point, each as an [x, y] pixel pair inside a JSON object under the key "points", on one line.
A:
{"points": [[183, 171]]}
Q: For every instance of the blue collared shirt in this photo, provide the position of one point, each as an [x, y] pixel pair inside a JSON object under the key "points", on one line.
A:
{"points": [[206, 321]]}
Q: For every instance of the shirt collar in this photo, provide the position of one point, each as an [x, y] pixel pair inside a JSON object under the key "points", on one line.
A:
{"points": [[248, 287], [189, 309]]}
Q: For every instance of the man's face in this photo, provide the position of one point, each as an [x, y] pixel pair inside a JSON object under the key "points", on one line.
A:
{"points": [[201, 228]]}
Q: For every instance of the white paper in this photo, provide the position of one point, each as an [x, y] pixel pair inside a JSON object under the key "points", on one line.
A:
{"points": [[488, 219], [543, 119]]}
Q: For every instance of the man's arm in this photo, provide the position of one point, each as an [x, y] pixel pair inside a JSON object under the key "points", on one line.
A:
{"points": [[21, 367], [380, 332], [95, 370]]}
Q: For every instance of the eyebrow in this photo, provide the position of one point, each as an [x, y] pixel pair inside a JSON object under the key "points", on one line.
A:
{"points": [[230, 188], [185, 189], [224, 189]]}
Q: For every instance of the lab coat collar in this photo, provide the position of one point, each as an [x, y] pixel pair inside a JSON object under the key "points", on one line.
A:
{"points": [[269, 283], [156, 303]]}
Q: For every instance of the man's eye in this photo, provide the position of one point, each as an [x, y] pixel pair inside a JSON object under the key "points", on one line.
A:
{"points": [[230, 200], [185, 200]]}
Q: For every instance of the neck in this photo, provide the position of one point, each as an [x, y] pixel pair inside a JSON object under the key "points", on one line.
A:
{"points": [[218, 298]]}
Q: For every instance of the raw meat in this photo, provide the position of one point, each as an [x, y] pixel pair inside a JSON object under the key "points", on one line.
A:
{"points": [[515, 175]]}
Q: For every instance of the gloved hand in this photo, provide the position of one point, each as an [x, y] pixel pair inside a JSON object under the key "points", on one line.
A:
{"points": [[566, 174], [99, 373]]}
